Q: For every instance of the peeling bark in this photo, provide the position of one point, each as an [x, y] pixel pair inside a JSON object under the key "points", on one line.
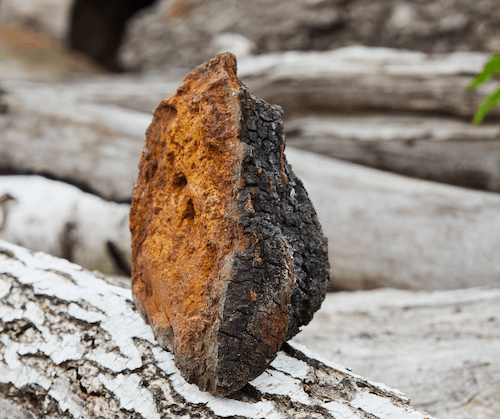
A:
{"points": [[73, 345]]}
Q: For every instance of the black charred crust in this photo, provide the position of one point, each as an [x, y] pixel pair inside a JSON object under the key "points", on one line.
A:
{"points": [[286, 263]]}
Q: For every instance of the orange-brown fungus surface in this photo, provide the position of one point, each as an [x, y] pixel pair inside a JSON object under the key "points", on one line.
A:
{"points": [[228, 256], [182, 212]]}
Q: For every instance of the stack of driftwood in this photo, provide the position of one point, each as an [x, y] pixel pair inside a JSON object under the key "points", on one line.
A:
{"points": [[406, 113]]}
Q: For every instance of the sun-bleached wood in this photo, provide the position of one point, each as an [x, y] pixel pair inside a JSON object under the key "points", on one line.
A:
{"points": [[446, 150], [72, 343], [59, 219], [359, 78], [383, 229], [389, 230], [93, 128], [440, 348]]}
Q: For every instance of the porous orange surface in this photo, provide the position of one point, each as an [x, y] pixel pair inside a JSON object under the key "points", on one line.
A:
{"points": [[228, 255], [183, 216]]}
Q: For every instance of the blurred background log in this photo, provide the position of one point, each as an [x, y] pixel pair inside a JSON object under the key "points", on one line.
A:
{"points": [[59, 219], [85, 120], [359, 79], [383, 229], [441, 149]]}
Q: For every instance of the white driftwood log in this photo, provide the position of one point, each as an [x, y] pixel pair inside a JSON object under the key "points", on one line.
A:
{"points": [[441, 348], [383, 229], [359, 78], [353, 79], [47, 131], [441, 149], [59, 219], [388, 230], [73, 344], [98, 139]]}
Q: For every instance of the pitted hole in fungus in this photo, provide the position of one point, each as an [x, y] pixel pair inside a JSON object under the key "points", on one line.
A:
{"points": [[151, 172], [167, 113], [189, 211], [179, 181]]}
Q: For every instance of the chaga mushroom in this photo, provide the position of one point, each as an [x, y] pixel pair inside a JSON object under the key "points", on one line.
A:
{"points": [[229, 259]]}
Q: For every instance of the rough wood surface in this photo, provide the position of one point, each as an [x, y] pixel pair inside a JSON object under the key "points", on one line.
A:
{"points": [[440, 26], [59, 219], [350, 79], [72, 345], [441, 149], [440, 348], [97, 146], [86, 121]]}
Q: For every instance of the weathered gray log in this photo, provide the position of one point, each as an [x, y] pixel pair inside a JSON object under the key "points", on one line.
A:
{"points": [[51, 131], [440, 26], [383, 229], [59, 219], [433, 148], [350, 79], [440, 348], [73, 345], [86, 121], [388, 230], [101, 153], [355, 79]]}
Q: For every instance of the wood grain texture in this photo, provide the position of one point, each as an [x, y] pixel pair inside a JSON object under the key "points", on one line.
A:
{"points": [[390, 230], [73, 345], [359, 78], [445, 150], [95, 129], [440, 348]]}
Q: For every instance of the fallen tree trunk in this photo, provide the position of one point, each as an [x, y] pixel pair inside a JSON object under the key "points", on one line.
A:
{"points": [[440, 149], [100, 143], [72, 344], [59, 219], [346, 80], [359, 78], [98, 147], [383, 229], [388, 230], [440, 348]]}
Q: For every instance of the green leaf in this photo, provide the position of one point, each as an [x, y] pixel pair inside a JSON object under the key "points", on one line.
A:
{"points": [[491, 68], [487, 104], [3, 55]]}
